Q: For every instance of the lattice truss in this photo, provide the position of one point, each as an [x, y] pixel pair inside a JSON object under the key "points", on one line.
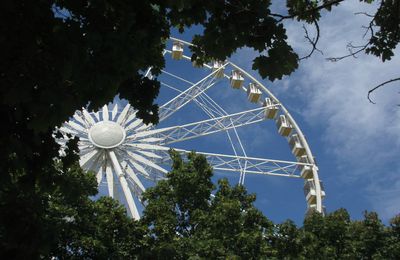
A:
{"points": [[122, 150]]}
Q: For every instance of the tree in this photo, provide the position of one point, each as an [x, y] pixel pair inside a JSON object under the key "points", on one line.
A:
{"points": [[287, 241], [185, 221], [391, 249], [369, 236], [328, 237], [100, 230], [57, 56], [63, 221]]}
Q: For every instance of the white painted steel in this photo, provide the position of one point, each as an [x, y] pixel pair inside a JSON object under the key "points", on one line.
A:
{"points": [[319, 207], [229, 163], [180, 133], [212, 109], [186, 96], [124, 185], [114, 143], [297, 129]]}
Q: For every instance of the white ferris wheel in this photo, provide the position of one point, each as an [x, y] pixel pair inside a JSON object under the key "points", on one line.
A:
{"points": [[126, 154]]}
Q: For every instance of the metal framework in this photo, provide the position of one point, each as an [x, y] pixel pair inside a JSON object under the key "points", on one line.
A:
{"points": [[121, 150], [180, 133], [232, 163]]}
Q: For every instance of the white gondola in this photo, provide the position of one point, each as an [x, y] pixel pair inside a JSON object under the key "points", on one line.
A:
{"points": [[284, 126], [177, 50], [253, 93], [310, 191], [296, 146], [236, 79], [305, 170], [123, 151], [313, 208], [271, 109], [218, 66]]}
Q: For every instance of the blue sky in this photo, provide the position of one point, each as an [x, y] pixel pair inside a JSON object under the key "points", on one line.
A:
{"points": [[356, 143]]}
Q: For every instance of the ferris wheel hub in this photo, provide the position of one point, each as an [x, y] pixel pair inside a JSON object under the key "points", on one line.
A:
{"points": [[106, 134]]}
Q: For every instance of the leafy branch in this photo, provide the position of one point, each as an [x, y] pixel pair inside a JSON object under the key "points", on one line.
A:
{"points": [[326, 5]]}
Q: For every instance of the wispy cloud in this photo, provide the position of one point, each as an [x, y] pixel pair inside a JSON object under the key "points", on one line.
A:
{"points": [[363, 138]]}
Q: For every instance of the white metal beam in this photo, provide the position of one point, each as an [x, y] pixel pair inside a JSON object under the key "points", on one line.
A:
{"points": [[124, 185], [231, 163], [189, 131], [186, 96]]}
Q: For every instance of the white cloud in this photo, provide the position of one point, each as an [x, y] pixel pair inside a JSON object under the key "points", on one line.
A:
{"points": [[363, 138]]}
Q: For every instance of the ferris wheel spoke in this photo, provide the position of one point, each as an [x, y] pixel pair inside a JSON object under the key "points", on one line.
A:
{"points": [[133, 124], [212, 109], [186, 96], [139, 168], [99, 175], [105, 113], [131, 115], [135, 189], [193, 130], [149, 154], [229, 163], [125, 151], [123, 114], [93, 163], [66, 130], [143, 127], [114, 112], [87, 157], [146, 146], [97, 116], [124, 185], [139, 187], [129, 198], [88, 117], [151, 140], [76, 126], [110, 180], [146, 161], [130, 162], [201, 100], [79, 118]]}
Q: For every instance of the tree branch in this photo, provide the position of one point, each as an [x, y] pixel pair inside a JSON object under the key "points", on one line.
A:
{"points": [[360, 48], [364, 13], [313, 41], [325, 5], [379, 86], [352, 53]]}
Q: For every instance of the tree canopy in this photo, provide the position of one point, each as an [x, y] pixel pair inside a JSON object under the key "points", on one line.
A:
{"points": [[187, 217], [57, 56], [62, 220], [186, 221]]}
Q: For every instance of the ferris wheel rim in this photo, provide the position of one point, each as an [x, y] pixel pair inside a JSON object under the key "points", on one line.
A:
{"points": [[310, 156], [126, 119]]}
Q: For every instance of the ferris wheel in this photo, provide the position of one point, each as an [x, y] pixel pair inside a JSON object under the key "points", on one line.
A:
{"points": [[125, 153]]}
